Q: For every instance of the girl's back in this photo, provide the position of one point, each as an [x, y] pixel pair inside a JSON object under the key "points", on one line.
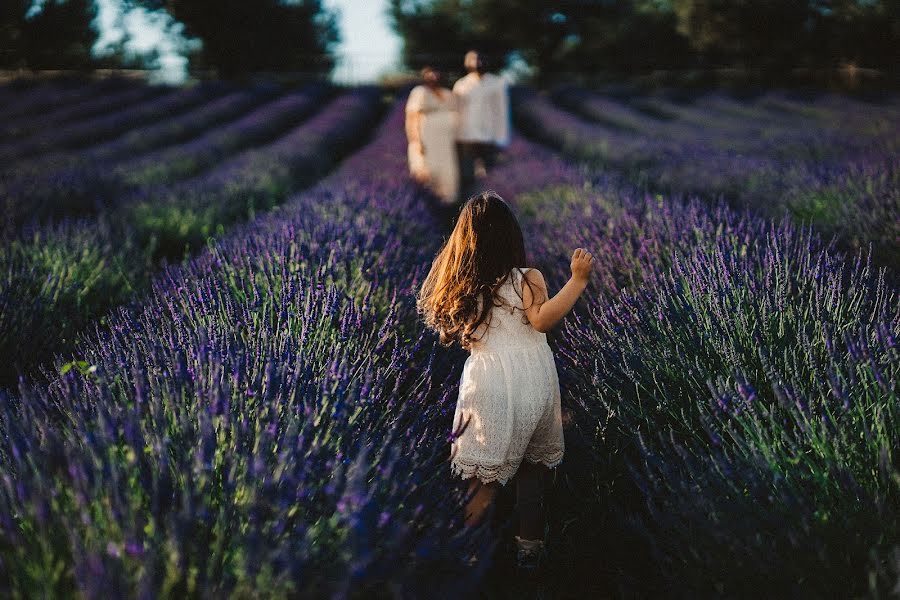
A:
{"points": [[506, 328], [508, 393]]}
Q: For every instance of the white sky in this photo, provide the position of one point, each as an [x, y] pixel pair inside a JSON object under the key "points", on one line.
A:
{"points": [[369, 45], [149, 32], [368, 48]]}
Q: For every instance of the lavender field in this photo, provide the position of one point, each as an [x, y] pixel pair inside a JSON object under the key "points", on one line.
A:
{"points": [[214, 382]]}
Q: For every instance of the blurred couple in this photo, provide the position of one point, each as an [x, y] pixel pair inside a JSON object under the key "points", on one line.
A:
{"points": [[455, 136]]}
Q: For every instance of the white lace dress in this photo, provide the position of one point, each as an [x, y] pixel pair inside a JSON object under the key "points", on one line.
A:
{"points": [[509, 393]]}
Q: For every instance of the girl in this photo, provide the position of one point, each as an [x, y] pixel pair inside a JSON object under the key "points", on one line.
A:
{"points": [[479, 294]]}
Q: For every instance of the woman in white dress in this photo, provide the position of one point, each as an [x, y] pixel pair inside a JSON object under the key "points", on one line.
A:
{"points": [[431, 121]]}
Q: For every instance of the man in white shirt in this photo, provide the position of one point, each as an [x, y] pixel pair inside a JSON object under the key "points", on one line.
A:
{"points": [[483, 118]]}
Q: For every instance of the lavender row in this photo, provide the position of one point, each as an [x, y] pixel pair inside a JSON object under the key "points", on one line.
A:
{"points": [[63, 184], [84, 133], [143, 138], [47, 96], [260, 126], [179, 128], [260, 416], [776, 106], [255, 180], [814, 190], [169, 106], [624, 138], [715, 123], [737, 392], [720, 367], [833, 106], [103, 102], [56, 279]]}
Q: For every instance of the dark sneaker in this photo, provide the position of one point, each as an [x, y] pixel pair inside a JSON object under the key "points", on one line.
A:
{"points": [[528, 555]]}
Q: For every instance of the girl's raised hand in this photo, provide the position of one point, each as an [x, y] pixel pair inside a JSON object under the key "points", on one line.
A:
{"points": [[582, 263], [545, 315]]}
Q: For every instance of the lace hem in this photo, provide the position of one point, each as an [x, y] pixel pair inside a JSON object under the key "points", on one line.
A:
{"points": [[485, 473], [503, 472], [549, 459]]}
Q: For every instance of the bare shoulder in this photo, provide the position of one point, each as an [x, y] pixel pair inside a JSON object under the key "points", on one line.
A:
{"points": [[533, 276], [536, 284], [534, 290]]}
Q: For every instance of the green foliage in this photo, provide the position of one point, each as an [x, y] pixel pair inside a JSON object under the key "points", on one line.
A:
{"points": [[241, 37], [747, 32], [561, 36], [738, 380], [583, 36], [437, 33], [860, 205], [788, 33], [57, 36], [68, 266]]}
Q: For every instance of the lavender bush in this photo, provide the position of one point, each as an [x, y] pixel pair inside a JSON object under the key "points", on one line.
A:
{"points": [[41, 128], [239, 488], [732, 387], [260, 425], [48, 97], [254, 180], [269, 418], [858, 202], [52, 283], [63, 184], [772, 166], [738, 380], [84, 133], [164, 223], [260, 126], [758, 395]]}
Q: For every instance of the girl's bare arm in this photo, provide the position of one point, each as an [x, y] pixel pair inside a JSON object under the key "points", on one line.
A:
{"points": [[544, 313]]}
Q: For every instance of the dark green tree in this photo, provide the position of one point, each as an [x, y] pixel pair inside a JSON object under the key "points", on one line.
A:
{"points": [[747, 33], [568, 36], [786, 33], [439, 32], [624, 36], [866, 34], [56, 34], [587, 36], [240, 37], [12, 16]]}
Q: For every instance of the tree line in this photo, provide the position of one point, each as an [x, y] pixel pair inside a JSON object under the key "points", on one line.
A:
{"points": [[567, 36], [236, 37], [586, 36]]}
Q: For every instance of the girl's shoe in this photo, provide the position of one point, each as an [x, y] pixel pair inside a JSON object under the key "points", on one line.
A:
{"points": [[528, 555]]}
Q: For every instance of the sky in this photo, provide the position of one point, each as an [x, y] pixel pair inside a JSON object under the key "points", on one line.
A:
{"points": [[369, 47], [150, 32]]}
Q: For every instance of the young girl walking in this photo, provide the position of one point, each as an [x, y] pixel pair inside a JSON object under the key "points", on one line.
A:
{"points": [[480, 295]]}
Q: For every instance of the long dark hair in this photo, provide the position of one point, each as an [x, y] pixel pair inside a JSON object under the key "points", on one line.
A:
{"points": [[459, 291]]}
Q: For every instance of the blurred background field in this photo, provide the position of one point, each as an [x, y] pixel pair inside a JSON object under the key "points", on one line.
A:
{"points": [[214, 383]]}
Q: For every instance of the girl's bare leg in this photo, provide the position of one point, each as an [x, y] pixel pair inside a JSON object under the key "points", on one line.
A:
{"points": [[530, 500], [481, 501]]}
